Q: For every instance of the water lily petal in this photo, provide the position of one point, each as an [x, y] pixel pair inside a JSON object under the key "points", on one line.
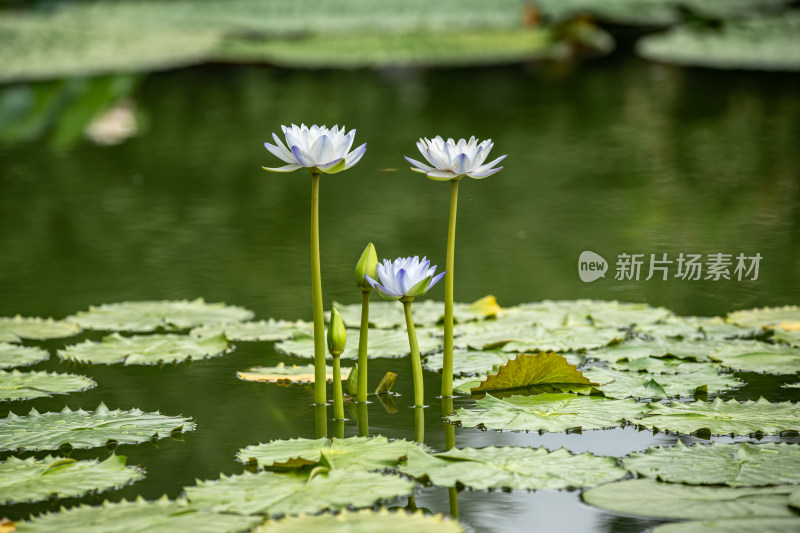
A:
{"points": [[286, 152], [355, 156], [303, 158], [487, 166], [421, 167], [484, 174], [435, 280], [461, 164], [288, 168], [334, 167], [441, 175], [277, 152], [322, 150]]}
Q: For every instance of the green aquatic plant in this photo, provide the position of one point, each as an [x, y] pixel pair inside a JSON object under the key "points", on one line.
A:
{"points": [[367, 266], [16, 385], [14, 329], [321, 151], [12, 355], [281, 373], [383, 520], [337, 339], [145, 349]]}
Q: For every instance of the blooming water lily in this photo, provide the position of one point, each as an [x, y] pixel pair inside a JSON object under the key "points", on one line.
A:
{"points": [[404, 278]]}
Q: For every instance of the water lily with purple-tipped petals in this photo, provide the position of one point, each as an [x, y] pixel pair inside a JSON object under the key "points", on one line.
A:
{"points": [[316, 148], [405, 278], [449, 160]]}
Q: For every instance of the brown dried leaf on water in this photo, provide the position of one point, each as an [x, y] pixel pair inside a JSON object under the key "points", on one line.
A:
{"points": [[287, 374]]}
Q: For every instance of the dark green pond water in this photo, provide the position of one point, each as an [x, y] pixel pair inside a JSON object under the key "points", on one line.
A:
{"points": [[614, 156]]}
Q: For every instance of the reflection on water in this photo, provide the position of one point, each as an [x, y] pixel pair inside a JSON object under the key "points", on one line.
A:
{"points": [[619, 156]]}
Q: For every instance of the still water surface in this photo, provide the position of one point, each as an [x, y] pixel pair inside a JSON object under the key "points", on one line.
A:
{"points": [[616, 156]]}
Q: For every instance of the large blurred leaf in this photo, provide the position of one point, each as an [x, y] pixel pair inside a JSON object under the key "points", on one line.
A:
{"points": [[789, 336], [295, 492], [548, 412], [17, 328], [149, 316], [696, 350], [765, 316], [530, 370], [605, 313], [381, 343], [263, 330], [138, 516], [733, 525], [28, 480], [366, 520], [359, 453], [519, 338], [646, 497], [287, 374], [722, 418], [623, 384], [16, 385], [515, 468], [388, 315], [693, 327], [762, 43], [736, 465], [12, 355], [660, 365], [81, 429], [759, 357], [145, 349]]}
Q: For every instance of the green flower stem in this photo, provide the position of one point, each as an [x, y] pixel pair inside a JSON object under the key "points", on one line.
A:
{"points": [[416, 363], [338, 402], [338, 429], [361, 395], [450, 443], [419, 424], [363, 419], [316, 298], [447, 367], [321, 419]]}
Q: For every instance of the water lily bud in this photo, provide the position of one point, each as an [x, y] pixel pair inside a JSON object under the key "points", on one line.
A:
{"points": [[337, 336], [367, 264]]}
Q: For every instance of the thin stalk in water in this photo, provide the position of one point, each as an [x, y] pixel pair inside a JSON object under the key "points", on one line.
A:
{"points": [[416, 362], [320, 379], [361, 394], [447, 367]]}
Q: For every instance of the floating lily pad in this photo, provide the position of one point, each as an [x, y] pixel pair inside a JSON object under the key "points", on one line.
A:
{"points": [[137, 516], [601, 313], [530, 370], [17, 328], [622, 384], [151, 315], [514, 468], [695, 350], [263, 330], [30, 480], [12, 355], [42, 47], [81, 429], [646, 497], [548, 412], [733, 525], [736, 465], [759, 357], [723, 418], [467, 362], [660, 365], [692, 327], [519, 338], [382, 343], [765, 316], [287, 374], [360, 453], [389, 315], [16, 385], [791, 337], [383, 520], [145, 349], [294, 493]]}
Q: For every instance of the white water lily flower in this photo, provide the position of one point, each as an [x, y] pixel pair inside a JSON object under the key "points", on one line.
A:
{"points": [[449, 160], [404, 278], [316, 148]]}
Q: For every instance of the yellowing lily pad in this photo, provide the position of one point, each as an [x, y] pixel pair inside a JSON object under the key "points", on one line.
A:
{"points": [[287, 374], [765, 317]]}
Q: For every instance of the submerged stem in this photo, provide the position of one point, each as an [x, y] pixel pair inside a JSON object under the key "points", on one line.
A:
{"points": [[361, 395], [447, 367], [321, 419], [416, 363], [316, 298], [338, 401], [363, 419], [419, 424]]}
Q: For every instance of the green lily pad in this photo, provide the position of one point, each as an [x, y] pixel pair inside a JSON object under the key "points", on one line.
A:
{"points": [[12, 355], [733, 525], [151, 315], [760, 43], [660, 365], [622, 384], [360, 453], [383, 520], [530, 370], [288, 374], [736, 465], [45, 47], [695, 350], [16, 385], [646, 497], [723, 418], [765, 316], [293, 493], [695, 328], [138, 516], [382, 343], [791, 337], [515, 337], [17, 328], [600, 313], [466, 362], [263, 330], [757, 356], [81, 429], [548, 412], [514, 468], [426, 313], [145, 349], [30, 480]]}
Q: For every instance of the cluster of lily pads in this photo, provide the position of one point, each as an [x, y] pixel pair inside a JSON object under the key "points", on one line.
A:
{"points": [[555, 366]]}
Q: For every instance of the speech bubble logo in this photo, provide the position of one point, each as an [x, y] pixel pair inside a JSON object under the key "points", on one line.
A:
{"points": [[591, 266]]}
